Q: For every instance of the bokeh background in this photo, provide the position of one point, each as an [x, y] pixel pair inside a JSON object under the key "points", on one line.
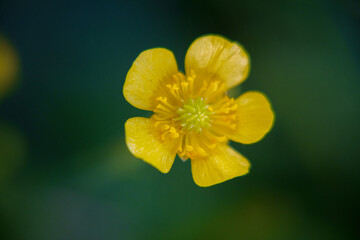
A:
{"points": [[65, 172]]}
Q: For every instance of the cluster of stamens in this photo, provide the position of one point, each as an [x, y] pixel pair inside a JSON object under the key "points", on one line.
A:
{"points": [[190, 110]]}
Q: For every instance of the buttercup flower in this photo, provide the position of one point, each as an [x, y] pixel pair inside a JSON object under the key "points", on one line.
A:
{"points": [[193, 116]]}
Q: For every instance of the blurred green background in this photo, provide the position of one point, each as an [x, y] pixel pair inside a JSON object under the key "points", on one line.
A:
{"points": [[65, 172]]}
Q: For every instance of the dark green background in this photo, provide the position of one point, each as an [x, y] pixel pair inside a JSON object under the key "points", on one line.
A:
{"points": [[65, 172]]}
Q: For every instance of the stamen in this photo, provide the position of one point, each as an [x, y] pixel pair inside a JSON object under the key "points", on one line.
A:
{"points": [[165, 127], [162, 108], [189, 148], [195, 113], [174, 90]]}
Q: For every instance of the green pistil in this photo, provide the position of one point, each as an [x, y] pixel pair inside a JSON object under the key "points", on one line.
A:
{"points": [[194, 115]]}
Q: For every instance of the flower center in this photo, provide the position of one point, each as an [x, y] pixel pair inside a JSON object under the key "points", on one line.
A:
{"points": [[194, 115]]}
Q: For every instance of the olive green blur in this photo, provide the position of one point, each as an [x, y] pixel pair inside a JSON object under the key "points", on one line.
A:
{"points": [[65, 171]]}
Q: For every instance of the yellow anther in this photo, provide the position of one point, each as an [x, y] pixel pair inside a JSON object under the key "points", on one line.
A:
{"points": [[172, 86], [234, 107], [213, 87], [184, 84], [172, 130], [165, 127], [210, 109], [189, 148], [200, 151], [174, 135], [221, 139], [160, 106], [163, 136]]}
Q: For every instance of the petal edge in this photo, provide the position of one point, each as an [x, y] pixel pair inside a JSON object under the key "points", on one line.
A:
{"points": [[224, 164], [255, 118], [149, 69], [143, 144], [214, 56]]}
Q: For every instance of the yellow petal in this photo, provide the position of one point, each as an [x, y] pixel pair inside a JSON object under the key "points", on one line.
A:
{"points": [[255, 118], [142, 143], [213, 56], [151, 68], [223, 164]]}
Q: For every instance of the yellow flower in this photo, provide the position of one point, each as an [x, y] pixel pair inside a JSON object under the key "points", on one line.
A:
{"points": [[193, 116]]}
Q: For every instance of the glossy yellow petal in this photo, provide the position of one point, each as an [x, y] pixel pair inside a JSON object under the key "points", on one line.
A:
{"points": [[223, 164], [142, 143], [254, 118], [213, 56], [151, 68]]}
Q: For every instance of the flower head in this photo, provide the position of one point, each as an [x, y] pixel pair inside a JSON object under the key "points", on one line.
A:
{"points": [[193, 115]]}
